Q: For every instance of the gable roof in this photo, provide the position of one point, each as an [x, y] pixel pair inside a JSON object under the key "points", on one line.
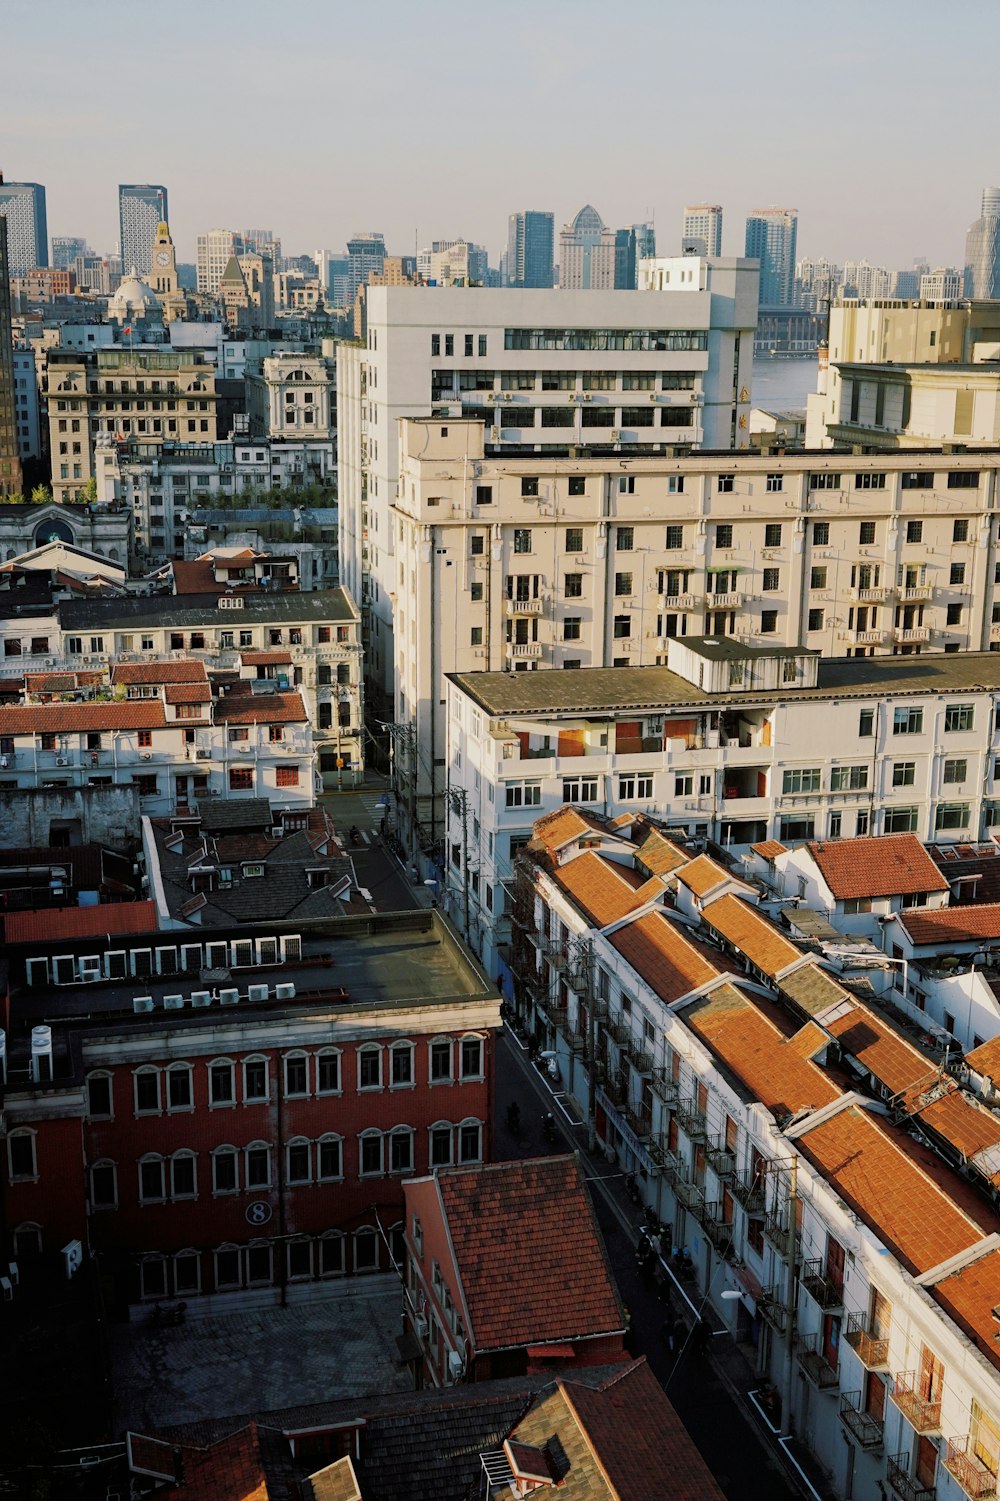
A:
{"points": [[668, 960], [742, 925], [267, 708], [878, 866], [80, 922], [659, 855], [986, 1059], [970, 1296], [529, 1254], [68, 719], [603, 890], [180, 671], [946, 925], [702, 875], [564, 825]]}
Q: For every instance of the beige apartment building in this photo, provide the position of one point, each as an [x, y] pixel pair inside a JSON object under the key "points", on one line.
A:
{"points": [[153, 395], [514, 563]]}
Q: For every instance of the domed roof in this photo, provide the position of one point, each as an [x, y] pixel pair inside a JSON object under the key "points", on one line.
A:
{"points": [[133, 299]]}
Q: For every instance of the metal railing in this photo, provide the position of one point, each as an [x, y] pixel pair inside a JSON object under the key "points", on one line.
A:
{"points": [[871, 1348], [776, 1224], [904, 1484], [821, 1373], [691, 1196], [964, 1464], [666, 1160], [921, 1413], [819, 1286], [720, 1157], [773, 1309], [748, 1190], [691, 1119], [664, 1086], [640, 1122], [866, 1428], [718, 1230]]}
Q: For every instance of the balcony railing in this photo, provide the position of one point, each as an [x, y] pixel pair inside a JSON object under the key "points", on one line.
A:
{"points": [[724, 601], [691, 1119], [720, 1158], [692, 1197], [522, 649], [874, 596], [865, 1428], [524, 607], [917, 592], [718, 1230], [871, 1348], [642, 1061], [748, 1190], [904, 1484], [815, 1364], [963, 1463], [819, 1286], [776, 1224], [666, 1160], [615, 1090], [913, 633], [680, 601], [664, 1086], [922, 1414], [773, 1309], [620, 1031], [640, 1122]]}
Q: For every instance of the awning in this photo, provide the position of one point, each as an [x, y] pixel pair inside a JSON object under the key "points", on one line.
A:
{"points": [[724, 568], [551, 1352]]}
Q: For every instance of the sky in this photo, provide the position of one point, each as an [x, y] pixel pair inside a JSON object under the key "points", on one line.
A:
{"points": [[319, 120]]}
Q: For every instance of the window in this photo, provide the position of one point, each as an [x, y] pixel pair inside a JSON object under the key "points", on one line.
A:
{"points": [[724, 534], [626, 482], [917, 480], [571, 627], [908, 721], [622, 627], [103, 1185], [821, 533], [674, 538], [903, 773], [296, 1075], [257, 1163], [956, 574], [255, 1087], [958, 717], [440, 1061], [529, 487], [955, 770], [329, 1158], [484, 495], [440, 1144], [866, 723], [631, 788], [146, 1084], [298, 1160], [470, 1142], [960, 531], [476, 593], [914, 531], [801, 779], [145, 738], [579, 790], [401, 1150], [771, 580], [522, 539], [772, 534], [815, 620], [180, 1090], [573, 585], [221, 1087], [817, 578], [370, 1068], [848, 778], [99, 1097], [328, 1072], [726, 483], [523, 795], [331, 1254], [900, 820], [768, 622], [824, 479], [183, 1175], [225, 1177], [401, 1071], [953, 615], [574, 539], [471, 1058], [22, 1163], [952, 816], [775, 484], [624, 538], [577, 484], [152, 1187], [623, 583], [241, 779], [869, 481], [370, 1154], [478, 545], [963, 479]]}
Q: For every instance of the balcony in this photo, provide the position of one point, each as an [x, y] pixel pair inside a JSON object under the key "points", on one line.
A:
{"points": [[912, 633], [904, 1484], [692, 1197], [524, 607], [522, 650], [691, 1119], [922, 1414], [723, 601], [718, 1230], [640, 1122], [667, 1161], [748, 1190], [867, 638], [917, 594], [872, 596], [865, 1428], [720, 1158], [680, 602], [815, 1364], [776, 1225], [819, 1287], [871, 1349], [641, 1061], [620, 1031], [772, 1309], [664, 1087], [964, 1465], [615, 1091]]}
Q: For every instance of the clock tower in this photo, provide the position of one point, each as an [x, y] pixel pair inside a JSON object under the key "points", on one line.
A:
{"points": [[164, 267]]}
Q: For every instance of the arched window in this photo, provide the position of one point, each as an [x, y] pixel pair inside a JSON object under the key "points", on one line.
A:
{"points": [[100, 1096], [146, 1091], [298, 1160], [366, 1244], [470, 1140], [401, 1074], [184, 1175], [296, 1066], [152, 1185], [259, 1263], [180, 1087], [401, 1149], [370, 1067], [299, 1262], [441, 1134], [441, 1070], [328, 1079], [103, 1185], [255, 1081], [332, 1261], [257, 1164], [22, 1158], [153, 1277], [397, 1244], [187, 1273], [370, 1164], [329, 1158], [470, 1057], [228, 1267], [221, 1082], [27, 1240], [225, 1170]]}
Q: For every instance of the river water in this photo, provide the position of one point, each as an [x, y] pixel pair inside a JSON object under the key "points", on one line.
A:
{"points": [[783, 384]]}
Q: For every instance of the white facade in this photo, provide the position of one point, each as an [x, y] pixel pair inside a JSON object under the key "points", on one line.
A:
{"points": [[941, 285], [702, 229], [293, 396], [496, 353], [213, 252]]}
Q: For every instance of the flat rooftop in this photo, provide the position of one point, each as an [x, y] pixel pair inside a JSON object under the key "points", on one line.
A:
{"points": [[610, 690], [321, 605]]}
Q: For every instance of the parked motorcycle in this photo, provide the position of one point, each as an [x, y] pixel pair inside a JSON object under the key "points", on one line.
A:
{"points": [[549, 1127]]}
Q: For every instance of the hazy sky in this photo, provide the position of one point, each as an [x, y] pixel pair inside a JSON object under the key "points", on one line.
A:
{"points": [[875, 118]]}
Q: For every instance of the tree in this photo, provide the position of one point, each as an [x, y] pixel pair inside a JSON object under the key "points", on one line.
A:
{"points": [[41, 495], [88, 495]]}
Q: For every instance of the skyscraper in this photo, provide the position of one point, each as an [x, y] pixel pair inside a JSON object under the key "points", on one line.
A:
{"points": [[22, 204], [982, 249], [142, 207], [587, 253], [702, 230], [530, 239], [213, 252], [770, 238], [66, 248], [10, 461], [366, 254], [645, 241]]}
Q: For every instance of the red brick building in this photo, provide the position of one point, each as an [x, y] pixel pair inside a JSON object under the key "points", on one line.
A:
{"points": [[212, 1110], [506, 1273]]}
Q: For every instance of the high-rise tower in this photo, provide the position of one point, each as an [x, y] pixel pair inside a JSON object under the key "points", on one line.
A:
{"points": [[982, 249], [702, 230], [10, 461], [530, 237], [22, 204], [141, 208], [770, 238]]}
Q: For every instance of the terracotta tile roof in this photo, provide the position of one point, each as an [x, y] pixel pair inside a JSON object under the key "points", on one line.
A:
{"points": [[910, 1213], [658, 854], [970, 1296], [230, 1470], [188, 693], [986, 1059], [603, 891], [80, 922], [269, 708], [529, 1254], [742, 925], [661, 952], [180, 671], [60, 682], [886, 1055], [946, 925], [769, 849], [67, 719], [196, 577], [751, 1045], [266, 658], [620, 1441], [702, 874], [564, 825], [883, 865]]}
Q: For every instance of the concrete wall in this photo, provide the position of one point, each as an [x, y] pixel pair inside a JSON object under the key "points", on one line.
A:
{"points": [[96, 815]]}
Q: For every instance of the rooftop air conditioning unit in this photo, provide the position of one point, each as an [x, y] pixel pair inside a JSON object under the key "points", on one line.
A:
{"points": [[201, 998], [285, 992], [142, 1004], [173, 1002], [257, 992], [229, 997]]}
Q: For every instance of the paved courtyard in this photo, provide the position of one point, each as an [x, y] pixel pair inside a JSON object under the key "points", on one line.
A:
{"points": [[254, 1359]]}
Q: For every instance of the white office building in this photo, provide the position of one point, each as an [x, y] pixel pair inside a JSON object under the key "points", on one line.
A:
{"points": [[702, 229], [212, 258]]}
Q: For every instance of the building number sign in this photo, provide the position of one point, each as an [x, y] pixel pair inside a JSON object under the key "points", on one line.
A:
{"points": [[258, 1213]]}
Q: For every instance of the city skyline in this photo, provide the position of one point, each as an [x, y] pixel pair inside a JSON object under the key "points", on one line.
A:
{"points": [[527, 81]]}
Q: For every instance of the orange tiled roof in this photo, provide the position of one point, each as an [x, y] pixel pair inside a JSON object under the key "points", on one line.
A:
{"points": [[702, 874], [195, 577], [750, 1044], [890, 1192], [658, 854], [270, 708], [181, 671], [188, 693], [742, 925], [64, 719], [768, 849], [230, 1470], [80, 922], [564, 825], [882, 865], [669, 962], [276, 658], [946, 925], [970, 1296], [602, 890], [892, 1060], [60, 682], [986, 1059], [515, 1228]]}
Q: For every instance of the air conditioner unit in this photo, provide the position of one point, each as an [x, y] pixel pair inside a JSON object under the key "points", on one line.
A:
{"points": [[146, 756], [229, 997], [173, 1003], [615, 435], [7, 1289], [257, 992], [72, 1255], [142, 1004], [61, 761], [456, 1365], [201, 998], [13, 1273], [285, 992], [89, 976], [586, 396], [4, 762], [420, 1325], [203, 755]]}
